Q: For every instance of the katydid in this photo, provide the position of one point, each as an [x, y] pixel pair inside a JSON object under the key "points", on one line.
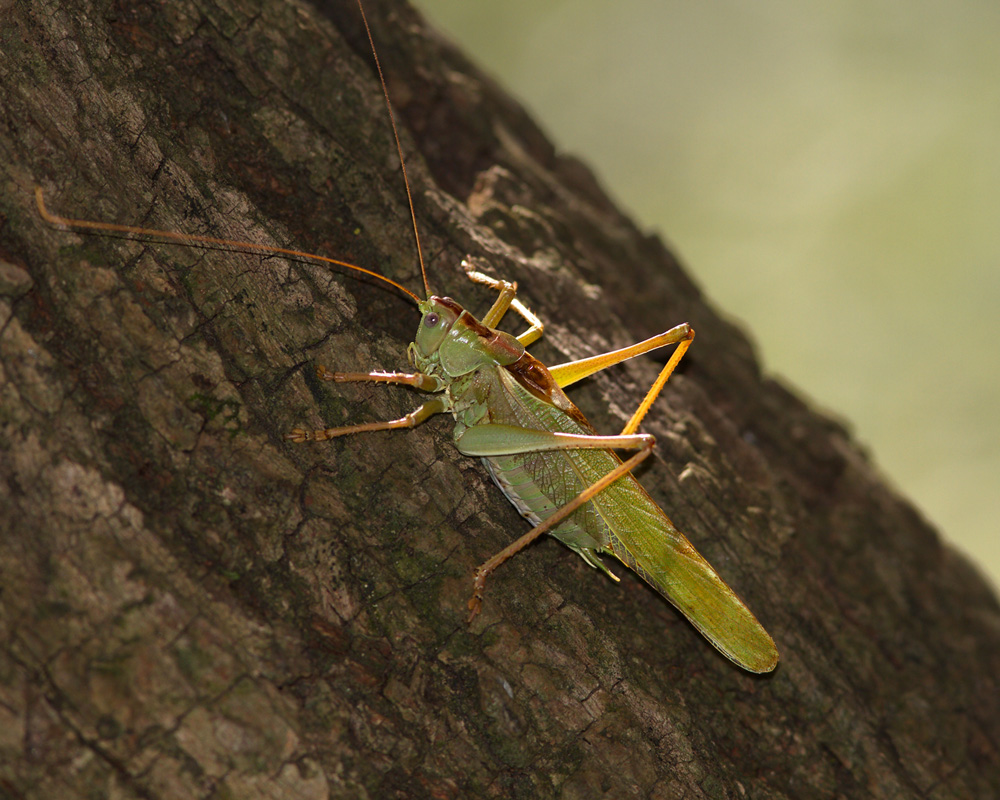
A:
{"points": [[511, 411], [548, 460]]}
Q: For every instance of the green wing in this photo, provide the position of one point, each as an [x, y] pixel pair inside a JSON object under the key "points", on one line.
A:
{"points": [[662, 556], [622, 520]]}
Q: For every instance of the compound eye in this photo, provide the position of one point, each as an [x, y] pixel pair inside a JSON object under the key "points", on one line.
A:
{"points": [[432, 319]]}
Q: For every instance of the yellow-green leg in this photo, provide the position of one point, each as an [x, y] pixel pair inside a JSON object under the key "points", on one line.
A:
{"points": [[572, 371]]}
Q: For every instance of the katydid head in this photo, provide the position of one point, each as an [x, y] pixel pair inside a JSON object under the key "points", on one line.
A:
{"points": [[438, 316], [451, 340]]}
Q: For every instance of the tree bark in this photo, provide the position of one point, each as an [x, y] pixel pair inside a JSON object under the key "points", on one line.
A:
{"points": [[192, 607]]}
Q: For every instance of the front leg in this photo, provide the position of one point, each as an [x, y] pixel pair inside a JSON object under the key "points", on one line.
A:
{"points": [[411, 420], [425, 383]]}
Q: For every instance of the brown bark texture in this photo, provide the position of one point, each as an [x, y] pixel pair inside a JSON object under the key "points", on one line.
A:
{"points": [[192, 607]]}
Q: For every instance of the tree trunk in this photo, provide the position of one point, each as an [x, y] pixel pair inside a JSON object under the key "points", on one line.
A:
{"points": [[193, 607]]}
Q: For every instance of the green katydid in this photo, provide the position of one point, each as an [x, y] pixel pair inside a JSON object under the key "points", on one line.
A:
{"points": [[540, 450], [511, 411]]}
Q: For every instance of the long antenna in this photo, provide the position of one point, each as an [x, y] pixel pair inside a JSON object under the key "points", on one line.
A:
{"points": [[137, 232], [399, 149], [134, 231]]}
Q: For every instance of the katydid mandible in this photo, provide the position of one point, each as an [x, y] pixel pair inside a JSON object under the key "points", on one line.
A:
{"points": [[511, 411]]}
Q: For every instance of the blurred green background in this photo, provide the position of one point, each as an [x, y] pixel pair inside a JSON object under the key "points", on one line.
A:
{"points": [[829, 173]]}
